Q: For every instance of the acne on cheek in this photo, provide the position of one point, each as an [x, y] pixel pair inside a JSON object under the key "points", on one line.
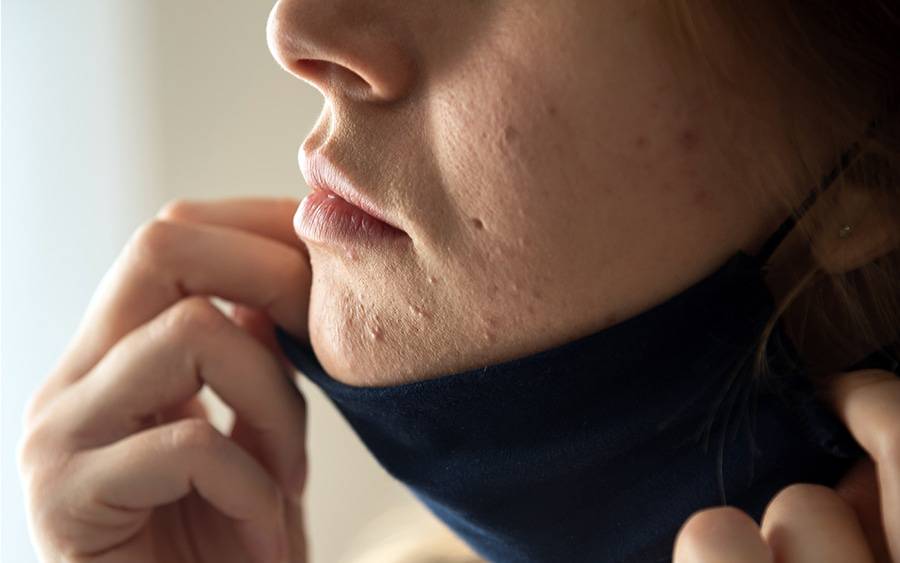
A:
{"points": [[687, 144]]}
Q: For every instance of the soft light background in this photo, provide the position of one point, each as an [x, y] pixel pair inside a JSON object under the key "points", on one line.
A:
{"points": [[110, 108]]}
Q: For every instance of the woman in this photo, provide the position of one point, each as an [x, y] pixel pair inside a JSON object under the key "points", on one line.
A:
{"points": [[538, 255]]}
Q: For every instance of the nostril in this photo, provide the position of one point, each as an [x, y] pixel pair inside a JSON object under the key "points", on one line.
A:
{"points": [[331, 76]]}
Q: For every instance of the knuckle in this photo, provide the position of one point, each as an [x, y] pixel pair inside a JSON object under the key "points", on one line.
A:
{"points": [[179, 209], [193, 317], [32, 409], [151, 241], [192, 434], [33, 449]]}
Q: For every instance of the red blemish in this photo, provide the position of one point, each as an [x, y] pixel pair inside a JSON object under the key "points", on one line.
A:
{"points": [[701, 197], [689, 139]]}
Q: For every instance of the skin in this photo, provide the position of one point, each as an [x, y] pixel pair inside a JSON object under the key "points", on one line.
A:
{"points": [[579, 228], [548, 192]]}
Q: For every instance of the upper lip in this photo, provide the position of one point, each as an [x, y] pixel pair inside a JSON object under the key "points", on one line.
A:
{"points": [[321, 174]]}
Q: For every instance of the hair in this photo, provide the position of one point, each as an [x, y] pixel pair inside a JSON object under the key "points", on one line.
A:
{"points": [[828, 58]]}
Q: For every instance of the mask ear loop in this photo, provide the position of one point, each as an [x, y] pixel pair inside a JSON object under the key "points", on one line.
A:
{"points": [[845, 160]]}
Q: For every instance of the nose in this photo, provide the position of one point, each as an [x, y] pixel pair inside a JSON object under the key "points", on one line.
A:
{"points": [[347, 48]]}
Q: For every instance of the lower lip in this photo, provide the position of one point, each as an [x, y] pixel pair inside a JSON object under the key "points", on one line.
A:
{"points": [[325, 218]]}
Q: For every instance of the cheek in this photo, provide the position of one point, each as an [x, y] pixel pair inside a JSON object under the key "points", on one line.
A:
{"points": [[495, 139]]}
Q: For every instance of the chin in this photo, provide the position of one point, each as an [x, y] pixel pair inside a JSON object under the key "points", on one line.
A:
{"points": [[354, 333]]}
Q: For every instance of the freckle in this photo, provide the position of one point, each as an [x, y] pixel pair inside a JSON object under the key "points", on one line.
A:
{"points": [[689, 139], [510, 133], [478, 223], [640, 142]]}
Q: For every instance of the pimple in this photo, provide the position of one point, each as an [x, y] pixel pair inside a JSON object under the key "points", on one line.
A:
{"points": [[641, 142], [510, 133], [419, 312], [688, 139], [478, 223]]}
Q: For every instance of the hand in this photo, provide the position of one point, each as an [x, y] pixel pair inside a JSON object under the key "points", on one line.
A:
{"points": [[815, 524], [119, 460]]}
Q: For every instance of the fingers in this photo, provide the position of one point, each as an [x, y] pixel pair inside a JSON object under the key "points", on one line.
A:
{"points": [[164, 363], [802, 524], [118, 485], [859, 489], [166, 261], [868, 401], [812, 524], [721, 535], [269, 217]]}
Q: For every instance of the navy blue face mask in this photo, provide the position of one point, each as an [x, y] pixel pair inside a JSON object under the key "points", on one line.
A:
{"points": [[600, 449]]}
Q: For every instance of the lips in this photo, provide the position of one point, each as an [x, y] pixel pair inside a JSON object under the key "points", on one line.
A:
{"points": [[336, 213], [321, 174]]}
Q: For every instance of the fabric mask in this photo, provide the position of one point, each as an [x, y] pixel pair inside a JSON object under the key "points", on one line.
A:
{"points": [[600, 449]]}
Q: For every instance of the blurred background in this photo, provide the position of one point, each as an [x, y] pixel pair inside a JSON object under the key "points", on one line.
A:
{"points": [[109, 110]]}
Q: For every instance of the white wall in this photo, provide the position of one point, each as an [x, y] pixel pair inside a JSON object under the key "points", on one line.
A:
{"points": [[109, 109]]}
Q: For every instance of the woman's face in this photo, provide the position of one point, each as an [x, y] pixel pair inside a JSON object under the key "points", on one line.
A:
{"points": [[556, 166]]}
